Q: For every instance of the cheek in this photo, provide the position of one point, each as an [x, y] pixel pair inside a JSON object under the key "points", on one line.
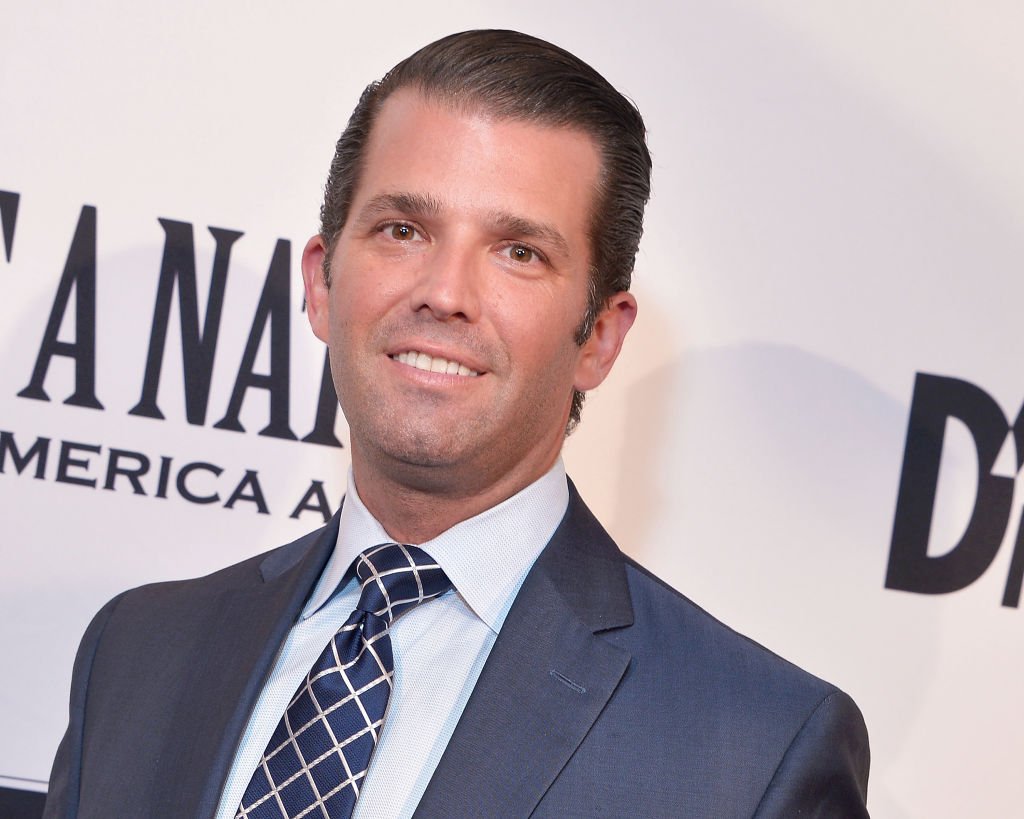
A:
{"points": [[545, 348], [371, 290], [352, 299], [345, 333]]}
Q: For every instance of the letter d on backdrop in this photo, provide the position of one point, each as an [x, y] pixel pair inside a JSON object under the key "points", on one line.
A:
{"points": [[937, 398]]}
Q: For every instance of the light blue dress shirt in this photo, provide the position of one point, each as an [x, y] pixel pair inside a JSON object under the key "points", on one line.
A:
{"points": [[440, 647]]}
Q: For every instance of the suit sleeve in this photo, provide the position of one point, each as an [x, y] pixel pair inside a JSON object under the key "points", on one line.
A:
{"points": [[824, 772], [62, 795]]}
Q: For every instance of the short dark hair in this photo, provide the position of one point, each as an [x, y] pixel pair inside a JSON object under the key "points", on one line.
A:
{"points": [[511, 75]]}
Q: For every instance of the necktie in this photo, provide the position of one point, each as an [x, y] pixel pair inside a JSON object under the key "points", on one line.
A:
{"points": [[317, 758]]}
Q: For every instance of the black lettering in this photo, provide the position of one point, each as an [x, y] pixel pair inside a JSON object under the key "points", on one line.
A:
{"points": [[37, 451], [133, 473], [65, 462], [165, 474], [273, 307], [80, 273], [187, 470], [1011, 594], [8, 216], [251, 481], [198, 345], [937, 398], [315, 500], [326, 409]]}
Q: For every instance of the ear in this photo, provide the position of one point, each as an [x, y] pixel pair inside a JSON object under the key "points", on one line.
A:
{"points": [[598, 353], [313, 255]]}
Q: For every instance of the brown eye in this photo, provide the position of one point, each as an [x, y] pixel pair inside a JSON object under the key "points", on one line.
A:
{"points": [[402, 232], [521, 254]]}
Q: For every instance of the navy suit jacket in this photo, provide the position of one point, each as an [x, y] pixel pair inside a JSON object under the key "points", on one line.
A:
{"points": [[607, 693]]}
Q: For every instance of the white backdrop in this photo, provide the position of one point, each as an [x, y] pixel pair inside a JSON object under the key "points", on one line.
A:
{"points": [[839, 205]]}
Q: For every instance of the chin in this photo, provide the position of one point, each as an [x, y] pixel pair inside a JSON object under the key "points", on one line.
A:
{"points": [[419, 449]]}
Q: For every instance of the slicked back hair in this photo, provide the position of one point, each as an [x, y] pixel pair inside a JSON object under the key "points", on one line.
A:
{"points": [[509, 75]]}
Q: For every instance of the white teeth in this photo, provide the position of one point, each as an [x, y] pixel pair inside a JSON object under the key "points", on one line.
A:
{"points": [[435, 364]]}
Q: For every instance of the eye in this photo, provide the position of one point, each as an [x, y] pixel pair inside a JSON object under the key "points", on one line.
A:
{"points": [[402, 232], [521, 253]]}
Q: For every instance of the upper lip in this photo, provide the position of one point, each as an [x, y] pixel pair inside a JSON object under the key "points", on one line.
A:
{"points": [[437, 351]]}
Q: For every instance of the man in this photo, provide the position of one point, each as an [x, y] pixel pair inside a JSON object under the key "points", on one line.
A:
{"points": [[471, 279]]}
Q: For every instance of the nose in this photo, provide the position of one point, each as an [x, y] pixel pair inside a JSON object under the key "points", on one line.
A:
{"points": [[448, 283]]}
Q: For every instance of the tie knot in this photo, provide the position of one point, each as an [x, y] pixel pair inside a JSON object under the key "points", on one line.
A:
{"points": [[394, 578]]}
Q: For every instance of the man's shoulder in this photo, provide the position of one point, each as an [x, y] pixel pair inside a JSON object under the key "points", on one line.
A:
{"points": [[664, 624], [245, 573], [692, 662], [729, 727], [188, 620], [732, 725], [661, 610]]}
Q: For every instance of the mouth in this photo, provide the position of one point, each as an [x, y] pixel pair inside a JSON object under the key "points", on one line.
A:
{"points": [[433, 364]]}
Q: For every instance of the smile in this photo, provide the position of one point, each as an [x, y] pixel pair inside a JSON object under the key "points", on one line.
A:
{"points": [[434, 364]]}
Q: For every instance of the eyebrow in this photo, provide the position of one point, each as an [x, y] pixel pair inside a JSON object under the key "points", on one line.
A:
{"points": [[529, 229], [418, 204], [411, 203]]}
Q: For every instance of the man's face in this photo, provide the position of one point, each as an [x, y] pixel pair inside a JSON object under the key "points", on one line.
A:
{"points": [[456, 285]]}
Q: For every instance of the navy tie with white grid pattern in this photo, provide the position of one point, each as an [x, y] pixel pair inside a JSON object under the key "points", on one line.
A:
{"points": [[318, 755]]}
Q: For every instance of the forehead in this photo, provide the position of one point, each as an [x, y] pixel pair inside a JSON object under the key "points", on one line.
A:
{"points": [[468, 159]]}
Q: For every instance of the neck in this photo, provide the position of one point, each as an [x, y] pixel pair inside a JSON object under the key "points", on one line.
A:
{"points": [[414, 507]]}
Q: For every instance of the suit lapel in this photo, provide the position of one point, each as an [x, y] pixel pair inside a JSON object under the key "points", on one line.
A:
{"points": [[247, 626], [548, 677]]}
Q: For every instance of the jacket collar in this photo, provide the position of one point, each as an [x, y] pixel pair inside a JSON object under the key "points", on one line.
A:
{"points": [[249, 624], [548, 667]]}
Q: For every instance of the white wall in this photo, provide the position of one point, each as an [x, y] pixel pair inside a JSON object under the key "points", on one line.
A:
{"points": [[839, 204]]}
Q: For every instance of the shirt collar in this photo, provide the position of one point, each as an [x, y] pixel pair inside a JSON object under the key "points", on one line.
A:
{"points": [[487, 557]]}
